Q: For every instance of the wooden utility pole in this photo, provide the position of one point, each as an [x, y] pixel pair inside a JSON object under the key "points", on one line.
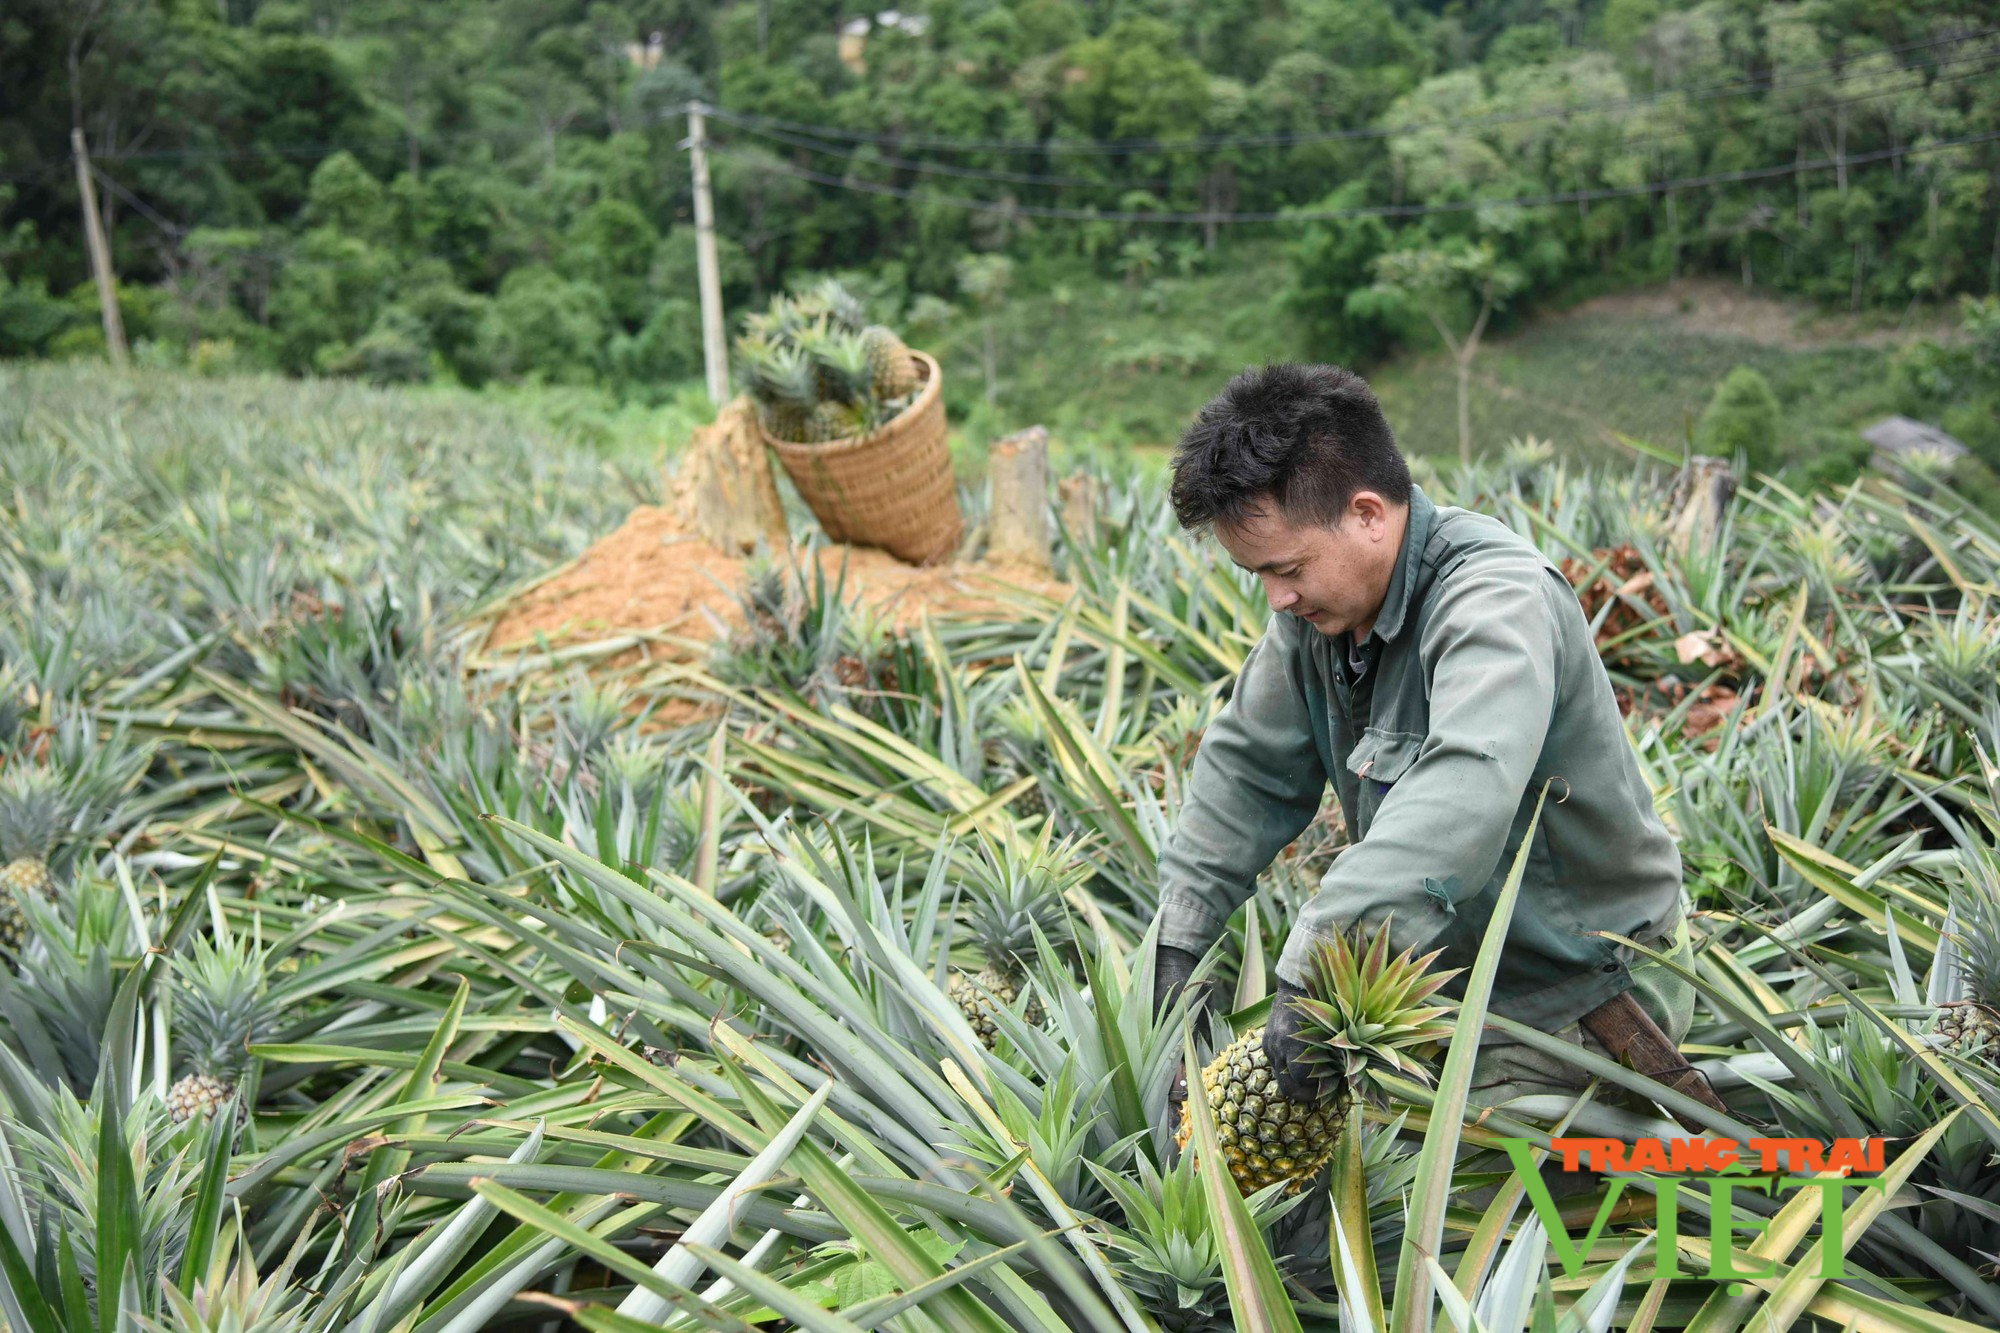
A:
{"points": [[714, 356], [100, 252]]}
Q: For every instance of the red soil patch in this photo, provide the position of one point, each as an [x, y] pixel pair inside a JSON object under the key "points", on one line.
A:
{"points": [[653, 575]]}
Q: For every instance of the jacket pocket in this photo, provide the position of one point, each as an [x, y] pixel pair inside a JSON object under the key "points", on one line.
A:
{"points": [[1378, 758]]}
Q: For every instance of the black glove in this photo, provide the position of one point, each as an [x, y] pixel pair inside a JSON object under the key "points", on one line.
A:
{"points": [[1171, 969], [1285, 1048]]}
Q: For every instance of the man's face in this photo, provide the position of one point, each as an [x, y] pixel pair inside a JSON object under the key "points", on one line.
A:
{"points": [[1333, 578]]}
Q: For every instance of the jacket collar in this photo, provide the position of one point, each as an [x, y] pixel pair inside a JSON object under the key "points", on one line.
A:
{"points": [[1409, 564]]}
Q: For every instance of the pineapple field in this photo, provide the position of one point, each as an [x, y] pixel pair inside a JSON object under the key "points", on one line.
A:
{"points": [[361, 972]]}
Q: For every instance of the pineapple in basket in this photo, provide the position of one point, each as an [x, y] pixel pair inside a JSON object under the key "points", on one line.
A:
{"points": [[818, 372], [892, 371], [223, 1004], [1016, 892], [1364, 1011]]}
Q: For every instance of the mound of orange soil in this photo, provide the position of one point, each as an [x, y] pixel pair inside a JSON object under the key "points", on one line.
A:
{"points": [[653, 576]]}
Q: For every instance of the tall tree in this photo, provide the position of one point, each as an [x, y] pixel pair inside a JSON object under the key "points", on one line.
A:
{"points": [[1455, 290]]}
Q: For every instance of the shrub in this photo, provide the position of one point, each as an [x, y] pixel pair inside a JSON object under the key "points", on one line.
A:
{"points": [[1833, 457], [1743, 415], [543, 327], [29, 316], [667, 349], [395, 350]]}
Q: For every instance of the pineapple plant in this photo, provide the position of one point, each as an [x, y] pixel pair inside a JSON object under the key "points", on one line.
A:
{"points": [[224, 1005], [818, 372], [35, 812], [1016, 895], [1968, 1010], [1363, 1011]]}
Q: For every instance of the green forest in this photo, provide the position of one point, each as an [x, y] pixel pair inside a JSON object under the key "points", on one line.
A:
{"points": [[499, 193]]}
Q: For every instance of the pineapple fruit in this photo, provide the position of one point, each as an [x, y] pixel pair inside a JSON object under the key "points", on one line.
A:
{"points": [[223, 1006], [35, 811], [1364, 1011], [1968, 1024], [892, 370], [818, 372], [1015, 894]]}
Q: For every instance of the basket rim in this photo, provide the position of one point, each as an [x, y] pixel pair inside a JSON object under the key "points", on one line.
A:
{"points": [[933, 387]]}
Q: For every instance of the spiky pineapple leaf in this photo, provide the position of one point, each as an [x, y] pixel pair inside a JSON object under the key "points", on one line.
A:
{"points": [[1257, 1295], [1425, 1232]]}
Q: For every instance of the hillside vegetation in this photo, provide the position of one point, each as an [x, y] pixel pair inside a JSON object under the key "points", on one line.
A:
{"points": [[497, 192]]}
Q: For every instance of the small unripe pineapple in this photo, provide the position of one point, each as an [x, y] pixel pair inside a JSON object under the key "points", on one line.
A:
{"points": [[1016, 892], [35, 808], [199, 1095], [13, 927], [1968, 1019], [221, 1006], [977, 995]]}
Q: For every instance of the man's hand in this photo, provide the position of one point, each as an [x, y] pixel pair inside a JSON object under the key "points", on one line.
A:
{"points": [[1171, 969], [1285, 1047]]}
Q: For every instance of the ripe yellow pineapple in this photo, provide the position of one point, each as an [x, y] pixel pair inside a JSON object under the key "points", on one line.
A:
{"points": [[222, 1005], [1363, 1010], [1015, 894]]}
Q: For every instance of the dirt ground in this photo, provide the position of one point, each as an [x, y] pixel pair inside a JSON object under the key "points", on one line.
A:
{"points": [[653, 576], [1719, 306]]}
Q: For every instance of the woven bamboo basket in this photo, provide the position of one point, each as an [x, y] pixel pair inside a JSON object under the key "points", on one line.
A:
{"points": [[892, 488]]}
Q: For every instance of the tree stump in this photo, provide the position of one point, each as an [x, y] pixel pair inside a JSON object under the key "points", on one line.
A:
{"points": [[1079, 508], [1019, 469], [1701, 498], [724, 489]]}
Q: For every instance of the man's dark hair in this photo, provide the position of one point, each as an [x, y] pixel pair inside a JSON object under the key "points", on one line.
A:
{"points": [[1307, 436]]}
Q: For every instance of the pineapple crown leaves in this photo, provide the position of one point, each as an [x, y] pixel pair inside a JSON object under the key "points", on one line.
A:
{"points": [[845, 369], [1169, 1241], [1017, 891], [1363, 1008], [1975, 906], [829, 299], [69, 790], [36, 810], [224, 1002], [60, 1172]]}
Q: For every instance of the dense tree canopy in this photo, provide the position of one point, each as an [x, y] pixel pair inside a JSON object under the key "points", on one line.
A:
{"points": [[498, 188]]}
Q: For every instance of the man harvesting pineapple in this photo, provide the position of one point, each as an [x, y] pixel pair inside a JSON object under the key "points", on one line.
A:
{"points": [[1438, 670]]}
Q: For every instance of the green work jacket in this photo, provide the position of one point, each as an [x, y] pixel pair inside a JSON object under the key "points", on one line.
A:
{"points": [[1480, 681]]}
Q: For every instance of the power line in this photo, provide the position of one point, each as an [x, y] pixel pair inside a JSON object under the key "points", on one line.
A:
{"points": [[496, 137], [1209, 143], [145, 210], [922, 167], [1369, 210], [750, 123]]}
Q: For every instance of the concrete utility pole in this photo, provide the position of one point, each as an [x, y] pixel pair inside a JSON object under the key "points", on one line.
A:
{"points": [[100, 252], [714, 355]]}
